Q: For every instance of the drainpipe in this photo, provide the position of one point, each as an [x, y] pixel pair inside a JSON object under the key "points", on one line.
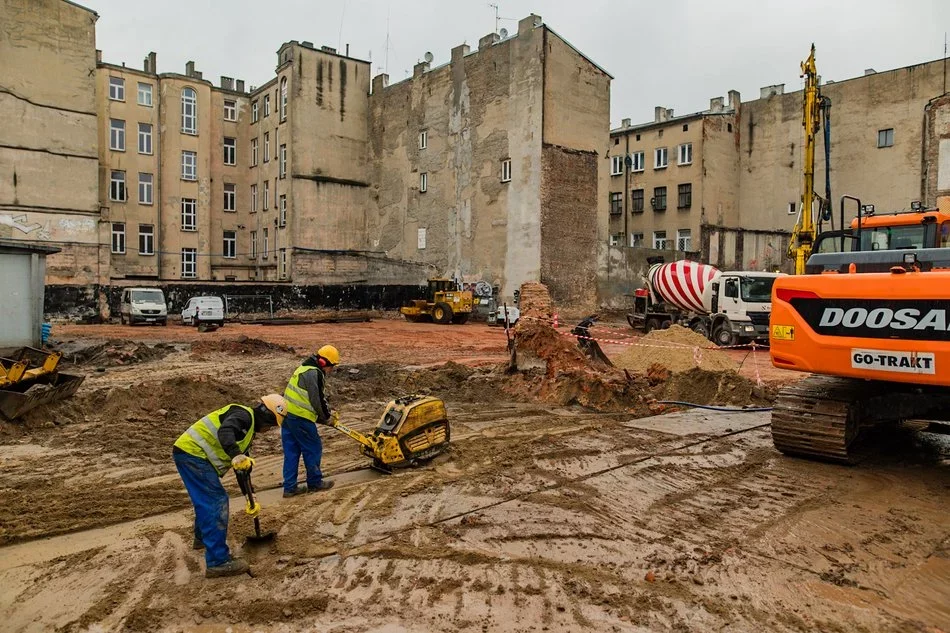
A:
{"points": [[158, 199]]}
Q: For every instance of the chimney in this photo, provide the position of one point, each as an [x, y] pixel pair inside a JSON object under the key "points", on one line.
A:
{"points": [[528, 23], [227, 83], [347, 49], [869, 71], [661, 114], [420, 68], [769, 91], [240, 85], [328, 49], [459, 52], [625, 123], [735, 100], [380, 82], [715, 104], [488, 40], [306, 44], [189, 69], [98, 56], [149, 65]]}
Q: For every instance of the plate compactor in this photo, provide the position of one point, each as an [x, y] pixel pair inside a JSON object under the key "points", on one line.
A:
{"points": [[412, 429]]}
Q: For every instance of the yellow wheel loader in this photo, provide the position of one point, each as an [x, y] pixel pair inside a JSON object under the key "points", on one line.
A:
{"points": [[445, 303], [29, 377], [412, 429]]}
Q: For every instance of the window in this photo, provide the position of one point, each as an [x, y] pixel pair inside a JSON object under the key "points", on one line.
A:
{"points": [[253, 111], [615, 239], [283, 161], [684, 240], [686, 127], [282, 218], [145, 94], [116, 88], [729, 127], [659, 240], [636, 240], [253, 244], [685, 192], [266, 195], [283, 99], [230, 196], [117, 186], [230, 110], [145, 138], [636, 201], [283, 263], [506, 170], [266, 246], [616, 165], [230, 151], [266, 106], [189, 111], [189, 260], [253, 198], [275, 193], [423, 182], [146, 239], [118, 238], [423, 139], [117, 135], [145, 188], [660, 158], [659, 199], [792, 208], [253, 152], [230, 244], [421, 239], [266, 147], [636, 160], [659, 134], [685, 154], [189, 165], [616, 202], [189, 214], [885, 138], [638, 137]]}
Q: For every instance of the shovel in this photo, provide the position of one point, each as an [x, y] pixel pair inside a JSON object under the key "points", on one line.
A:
{"points": [[244, 481]]}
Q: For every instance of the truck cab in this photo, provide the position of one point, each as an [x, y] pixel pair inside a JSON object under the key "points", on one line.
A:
{"points": [[741, 305]]}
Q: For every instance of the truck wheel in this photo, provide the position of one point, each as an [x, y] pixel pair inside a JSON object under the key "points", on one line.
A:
{"points": [[665, 324], [723, 336], [700, 328], [442, 313]]}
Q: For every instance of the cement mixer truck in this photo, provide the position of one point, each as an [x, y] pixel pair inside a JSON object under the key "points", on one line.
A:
{"points": [[728, 308]]}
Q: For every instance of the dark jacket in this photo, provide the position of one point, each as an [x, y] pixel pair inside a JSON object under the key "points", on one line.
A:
{"points": [[315, 384]]}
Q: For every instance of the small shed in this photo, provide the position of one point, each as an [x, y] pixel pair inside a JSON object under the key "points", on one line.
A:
{"points": [[22, 289]]}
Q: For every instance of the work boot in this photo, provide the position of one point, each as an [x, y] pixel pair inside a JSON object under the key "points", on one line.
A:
{"points": [[299, 490], [234, 567], [197, 544], [324, 485]]}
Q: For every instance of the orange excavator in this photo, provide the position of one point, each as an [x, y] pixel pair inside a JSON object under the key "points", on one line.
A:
{"points": [[867, 314]]}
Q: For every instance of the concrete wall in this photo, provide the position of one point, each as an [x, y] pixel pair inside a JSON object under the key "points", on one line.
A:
{"points": [[937, 150], [48, 141]]}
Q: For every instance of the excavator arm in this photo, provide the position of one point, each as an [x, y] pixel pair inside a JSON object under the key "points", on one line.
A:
{"points": [[803, 235]]}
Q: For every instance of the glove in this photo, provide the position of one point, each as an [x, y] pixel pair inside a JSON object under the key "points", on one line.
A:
{"points": [[334, 418], [242, 463], [252, 511]]}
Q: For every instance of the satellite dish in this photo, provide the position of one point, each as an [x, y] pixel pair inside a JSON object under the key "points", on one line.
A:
{"points": [[428, 57], [503, 33]]}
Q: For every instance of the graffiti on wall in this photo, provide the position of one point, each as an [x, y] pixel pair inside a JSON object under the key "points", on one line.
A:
{"points": [[49, 227]]}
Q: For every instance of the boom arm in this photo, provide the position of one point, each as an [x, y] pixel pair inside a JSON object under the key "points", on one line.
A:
{"points": [[803, 235]]}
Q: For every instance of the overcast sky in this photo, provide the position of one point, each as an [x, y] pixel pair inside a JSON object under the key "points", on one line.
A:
{"points": [[675, 53]]}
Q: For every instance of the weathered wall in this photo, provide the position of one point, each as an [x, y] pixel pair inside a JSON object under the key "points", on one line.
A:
{"points": [[937, 150], [48, 141], [627, 271], [888, 177], [735, 248], [315, 267]]}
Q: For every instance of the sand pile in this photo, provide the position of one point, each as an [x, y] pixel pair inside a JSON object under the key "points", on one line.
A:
{"points": [[239, 345], [678, 349]]}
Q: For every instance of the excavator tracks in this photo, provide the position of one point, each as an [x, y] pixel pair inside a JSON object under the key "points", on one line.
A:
{"points": [[821, 417]]}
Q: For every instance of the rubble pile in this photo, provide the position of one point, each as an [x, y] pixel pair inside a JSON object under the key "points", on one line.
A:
{"points": [[239, 345], [535, 302], [115, 352]]}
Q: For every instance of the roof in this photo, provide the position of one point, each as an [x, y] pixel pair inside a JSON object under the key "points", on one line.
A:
{"points": [[25, 248], [671, 121], [79, 6], [576, 50]]}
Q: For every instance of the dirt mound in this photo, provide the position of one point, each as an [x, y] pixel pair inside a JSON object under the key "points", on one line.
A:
{"points": [[450, 381], [115, 352], [239, 345], [678, 349], [700, 386], [540, 345], [535, 301]]}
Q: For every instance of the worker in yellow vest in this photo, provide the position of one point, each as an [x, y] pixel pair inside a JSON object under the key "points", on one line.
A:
{"points": [[306, 405], [203, 454]]}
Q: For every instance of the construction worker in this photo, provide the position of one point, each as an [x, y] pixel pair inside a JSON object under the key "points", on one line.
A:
{"points": [[203, 454], [306, 405]]}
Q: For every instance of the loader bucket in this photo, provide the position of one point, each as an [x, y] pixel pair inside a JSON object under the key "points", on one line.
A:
{"points": [[53, 388]]}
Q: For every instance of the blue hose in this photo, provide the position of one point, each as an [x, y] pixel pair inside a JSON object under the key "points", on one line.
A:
{"points": [[712, 408]]}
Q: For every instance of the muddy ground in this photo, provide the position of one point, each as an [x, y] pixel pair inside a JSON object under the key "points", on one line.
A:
{"points": [[567, 502]]}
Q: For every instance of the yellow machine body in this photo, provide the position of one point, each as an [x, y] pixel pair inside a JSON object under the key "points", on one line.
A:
{"points": [[412, 429], [445, 303], [29, 367]]}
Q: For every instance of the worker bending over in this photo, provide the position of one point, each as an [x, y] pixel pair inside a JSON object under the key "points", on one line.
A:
{"points": [[306, 405], [203, 454]]}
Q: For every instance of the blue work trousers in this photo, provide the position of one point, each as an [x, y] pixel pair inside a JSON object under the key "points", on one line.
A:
{"points": [[299, 437], [211, 505]]}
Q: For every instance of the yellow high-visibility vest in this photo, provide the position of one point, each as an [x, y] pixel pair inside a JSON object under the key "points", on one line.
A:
{"points": [[201, 439], [298, 400]]}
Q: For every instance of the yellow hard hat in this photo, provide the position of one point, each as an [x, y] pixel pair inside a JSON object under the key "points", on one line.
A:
{"points": [[329, 354], [276, 405]]}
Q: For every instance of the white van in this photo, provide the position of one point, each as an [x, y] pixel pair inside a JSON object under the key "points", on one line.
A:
{"points": [[203, 310], [143, 305]]}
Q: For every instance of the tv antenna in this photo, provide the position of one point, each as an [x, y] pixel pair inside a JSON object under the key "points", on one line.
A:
{"points": [[498, 20]]}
